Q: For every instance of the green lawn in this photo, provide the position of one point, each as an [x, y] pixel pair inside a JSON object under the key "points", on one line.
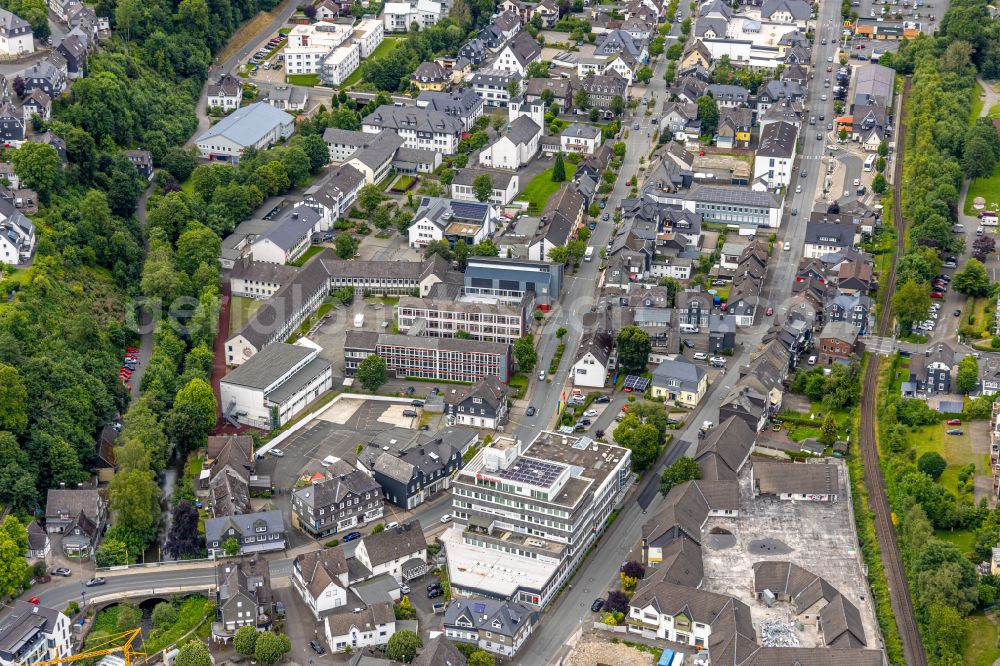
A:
{"points": [[541, 188], [311, 252], [987, 188], [977, 103], [240, 310], [956, 449], [303, 79], [982, 647], [964, 539], [994, 111], [382, 50], [190, 612]]}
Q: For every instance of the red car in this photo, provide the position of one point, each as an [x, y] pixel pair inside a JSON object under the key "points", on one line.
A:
{"points": [[34, 600], [954, 421], [131, 349], [829, 69], [770, 311], [935, 294]]}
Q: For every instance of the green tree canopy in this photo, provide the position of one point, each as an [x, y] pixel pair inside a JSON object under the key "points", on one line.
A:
{"points": [[371, 372], [403, 646], [634, 347], [932, 464], [684, 469], [967, 377], [524, 352], [245, 640], [972, 280], [910, 302], [559, 169], [270, 647], [194, 653]]}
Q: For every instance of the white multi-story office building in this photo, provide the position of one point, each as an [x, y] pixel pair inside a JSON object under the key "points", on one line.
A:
{"points": [[483, 318], [309, 45], [525, 515]]}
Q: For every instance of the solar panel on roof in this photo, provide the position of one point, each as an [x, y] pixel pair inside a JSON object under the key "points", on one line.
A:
{"points": [[467, 211], [529, 470], [425, 201], [478, 608], [636, 383]]}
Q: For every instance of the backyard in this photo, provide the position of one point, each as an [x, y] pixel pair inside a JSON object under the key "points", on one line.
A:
{"points": [[956, 449], [987, 188], [982, 648], [541, 188], [381, 52], [303, 79], [240, 310]]}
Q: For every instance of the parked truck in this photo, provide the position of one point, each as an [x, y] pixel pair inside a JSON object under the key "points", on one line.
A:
{"points": [[359, 320]]}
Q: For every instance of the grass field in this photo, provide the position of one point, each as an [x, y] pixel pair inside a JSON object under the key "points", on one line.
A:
{"points": [[994, 111], [982, 647], [303, 79], [382, 50], [541, 188], [246, 32], [956, 449], [240, 311], [977, 103], [190, 612], [307, 255], [987, 188]]}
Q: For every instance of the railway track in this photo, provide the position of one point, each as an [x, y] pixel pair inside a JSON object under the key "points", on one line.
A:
{"points": [[885, 532]]}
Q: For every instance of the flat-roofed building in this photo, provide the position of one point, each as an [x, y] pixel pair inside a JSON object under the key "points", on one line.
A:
{"points": [[484, 318], [448, 359]]}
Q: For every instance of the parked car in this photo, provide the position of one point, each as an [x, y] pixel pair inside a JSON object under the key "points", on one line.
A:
{"points": [[935, 294], [590, 412], [602, 398], [351, 536], [688, 343], [597, 605], [404, 588], [446, 518], [438, 592], [954, 421], [954, 431], [530, 411], [700, 356], [62, 571], [34, 600], [436, 585], [317, 647], [277, 453], [957, 313]]}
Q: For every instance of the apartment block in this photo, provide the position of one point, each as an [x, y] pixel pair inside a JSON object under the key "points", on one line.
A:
{"points": [[448, 359], [485, 319]]}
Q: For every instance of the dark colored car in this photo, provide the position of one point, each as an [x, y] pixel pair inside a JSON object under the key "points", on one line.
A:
{"points": [[602, 398], [954, 431], [530, 411], [688, 343], [417, 403], [409, 390], [351, 536], [317, 647], [597, 605], [436, 592], [436, 585], [957, 313]]}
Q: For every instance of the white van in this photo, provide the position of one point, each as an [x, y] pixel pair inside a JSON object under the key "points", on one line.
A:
{"points": [[812, 360], [689, 328], [589, 254]]}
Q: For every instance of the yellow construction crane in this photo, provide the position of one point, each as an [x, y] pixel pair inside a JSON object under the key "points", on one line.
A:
{"points": [[109, 645]]}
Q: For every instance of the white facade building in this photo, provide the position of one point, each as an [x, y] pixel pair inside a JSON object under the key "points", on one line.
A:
{"points": [[16, 37], [309, 45], [258, 126], [417, 127], [776, 154], [398, 16], [368, 35], [31, 633]]}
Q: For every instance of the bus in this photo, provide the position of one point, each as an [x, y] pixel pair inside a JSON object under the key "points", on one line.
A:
{"points": [[870, 162]]}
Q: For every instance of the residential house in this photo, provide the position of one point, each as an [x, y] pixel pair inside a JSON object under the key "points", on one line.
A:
{"points": [[259, 532], [580, 138], [776, 155], [500, 627], [823, 237], [786, 11], [286, 98], [516, 148], [11, 125], [561, 89], [79, 514], [39, 544], [321, 579], [462, 103], [36, 103], [258, 125], [693, 306], [227, 475], [412, 467], [930, 371], [562, 216], [430, 76], [505, 185], [838, 341], [679, 380], [602, 89], [758, 392], [33, 633], [418, 127], [777, 91], [594, 359], [375, 159], [243, 596], [677, 116], [16, 37], [400, 16], [399, 551], [695, 55], [367, 627], [990, 375], [733, 129], [73, 49], [17, 235], [870, 125], [721, 333], [518, 53], [454, 221], [327, 10], [346, 500], [474, 51], [483, 405], [501, 30], [46, 77], [729, 95], [493, 85], [142, 160], [854, 309]]}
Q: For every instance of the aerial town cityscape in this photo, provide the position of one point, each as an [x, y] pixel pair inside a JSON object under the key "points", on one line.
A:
{"points": [[461, 332]]}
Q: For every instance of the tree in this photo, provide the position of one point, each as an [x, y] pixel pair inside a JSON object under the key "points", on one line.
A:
{"points": [[932, 464], [967, 378], [403, 646], [183, 538], [481, 658], [911, 302], [880, 165], [559, 254], [196, 246], [369, 198], [644, 74], [231, 547], [128, 618], [594, 115], [193, 654], [13, 548], [178, 162], [513, 88], [842, 134], [524, 352], [972, 280], [879, 184], [18, 86], [883, 149], [708, 114], [482, 186], [164, 614], [581, 99], [617, 601], [617, 105], [633, 569], [979, 158], [245, 640], [561, 332], [14, 398], [111, 553], [271, 647], [135, 502], [828, 431], [192, 416], [642, 439], [633, 349], [344, 245], [371, 372], [484, 248], [684, 469], [558, 169], [39, 167]]}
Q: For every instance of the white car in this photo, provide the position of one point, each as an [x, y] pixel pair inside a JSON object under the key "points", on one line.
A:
{"points": [[329, 460], [590, 412], [857, 182], [788, 246], [446, 518], [829, 59], [798, 189], [404, 588], [277, 453], [700, 356]]}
